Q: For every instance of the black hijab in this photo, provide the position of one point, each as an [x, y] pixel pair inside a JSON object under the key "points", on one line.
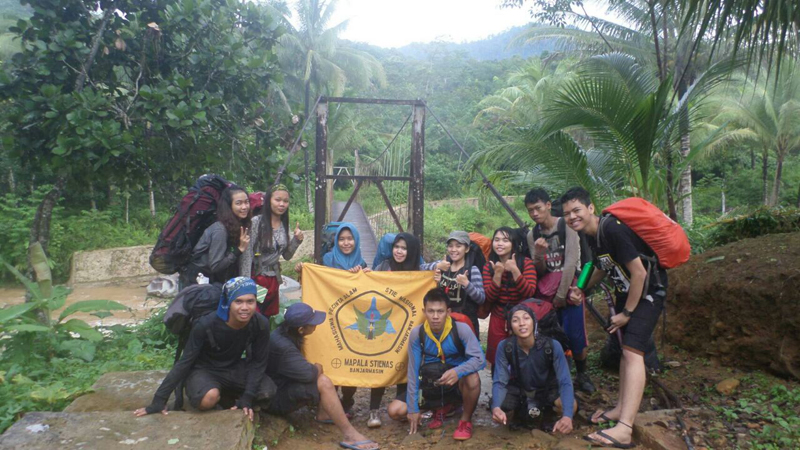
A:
{"points": [[412, 253]]}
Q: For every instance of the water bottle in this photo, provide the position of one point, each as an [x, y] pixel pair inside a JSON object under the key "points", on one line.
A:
{"points": [[586, 275]]}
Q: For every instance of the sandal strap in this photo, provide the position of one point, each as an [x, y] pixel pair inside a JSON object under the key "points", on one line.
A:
{"points": [[623, 423]]}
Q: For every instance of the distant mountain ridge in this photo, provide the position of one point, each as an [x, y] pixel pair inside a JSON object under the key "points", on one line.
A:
{"points": [[495, 47]]}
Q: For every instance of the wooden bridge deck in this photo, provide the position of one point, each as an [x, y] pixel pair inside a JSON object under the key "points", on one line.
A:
{"points": [[356, 216]]}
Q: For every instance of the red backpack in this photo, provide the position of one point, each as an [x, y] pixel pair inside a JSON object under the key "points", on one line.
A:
{"points": [[196, 212], [657, 230]]}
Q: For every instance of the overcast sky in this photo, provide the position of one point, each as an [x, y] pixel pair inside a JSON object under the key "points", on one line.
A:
{"points": [[395, 23]]}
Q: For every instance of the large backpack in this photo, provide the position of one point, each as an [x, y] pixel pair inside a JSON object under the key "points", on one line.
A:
{"points": [[482, 242], [329, 236], [547, 318], [196, 212], [663, 235]]}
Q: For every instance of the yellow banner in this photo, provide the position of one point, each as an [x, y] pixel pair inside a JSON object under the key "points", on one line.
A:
{"points": [[364, 339]]}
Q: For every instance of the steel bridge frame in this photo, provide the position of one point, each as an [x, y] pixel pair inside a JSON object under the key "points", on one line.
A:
{"points": [[323, 186]]}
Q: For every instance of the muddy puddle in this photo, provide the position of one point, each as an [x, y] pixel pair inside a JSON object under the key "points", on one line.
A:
{"points": [[129, 292]]}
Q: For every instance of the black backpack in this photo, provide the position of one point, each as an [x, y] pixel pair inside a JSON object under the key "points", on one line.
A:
{"points": [[192, 303], [511, 352]]}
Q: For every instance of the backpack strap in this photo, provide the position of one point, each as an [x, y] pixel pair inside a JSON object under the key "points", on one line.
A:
{"points": [[456, 340], [561, 228], [512, 356]]}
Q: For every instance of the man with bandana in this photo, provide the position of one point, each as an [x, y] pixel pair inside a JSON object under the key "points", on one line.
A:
{"points": [[212, 362]]}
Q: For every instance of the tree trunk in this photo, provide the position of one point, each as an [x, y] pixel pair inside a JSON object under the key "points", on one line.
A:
{"points": [[80, 81], [12, 183], [752, 159], [776, 186], [305, 149], [40, 228], [764, 175], [673, 213], [723, 200], [92, 201], [685, 187], [152, 198], [798, 196]]}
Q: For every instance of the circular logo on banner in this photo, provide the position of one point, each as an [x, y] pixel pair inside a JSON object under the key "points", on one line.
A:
{"points": [[370, 323], [336, 363], [400, 367]]}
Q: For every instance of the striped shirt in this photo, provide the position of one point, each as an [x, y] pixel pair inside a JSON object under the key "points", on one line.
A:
{"points": [[509, 292]]}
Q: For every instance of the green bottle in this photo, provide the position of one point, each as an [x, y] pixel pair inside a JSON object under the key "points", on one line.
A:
{"points": [[586, 275]]}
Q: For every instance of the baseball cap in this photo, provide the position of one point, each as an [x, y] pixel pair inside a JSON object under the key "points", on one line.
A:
{"points": [[459, 236], [300, 314]]}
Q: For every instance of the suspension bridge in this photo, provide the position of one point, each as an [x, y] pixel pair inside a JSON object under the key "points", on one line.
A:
{"points": [[394, 171]]}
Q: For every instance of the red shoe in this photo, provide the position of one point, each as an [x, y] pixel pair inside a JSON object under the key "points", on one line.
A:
{"points": [[439, 415], [464, 431]]}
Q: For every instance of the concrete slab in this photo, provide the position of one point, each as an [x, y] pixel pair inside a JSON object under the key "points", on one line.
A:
{"points": [[121, 391], [111, 263], [214, 430]]}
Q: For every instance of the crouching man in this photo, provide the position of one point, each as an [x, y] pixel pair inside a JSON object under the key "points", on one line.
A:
{"points": [[444, 358], [301, 383], [531, 376], [212, 362]]}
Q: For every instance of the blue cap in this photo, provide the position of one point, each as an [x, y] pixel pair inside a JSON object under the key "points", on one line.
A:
{"points": [[300, 315]]}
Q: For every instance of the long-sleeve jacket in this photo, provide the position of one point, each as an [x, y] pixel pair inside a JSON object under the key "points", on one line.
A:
{"points": [[286, 363], [225, 351], [569, 262], [509, 292], [213, 257], [266, 262], [471, 361], [536, 373]]}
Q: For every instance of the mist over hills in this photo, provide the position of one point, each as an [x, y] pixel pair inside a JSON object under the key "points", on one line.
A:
{"points": [[495, 47]]}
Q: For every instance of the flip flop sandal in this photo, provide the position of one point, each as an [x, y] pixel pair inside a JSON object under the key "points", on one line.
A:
{"points": [[355, 445], [324, 421], [603, 416], [613, 443]]}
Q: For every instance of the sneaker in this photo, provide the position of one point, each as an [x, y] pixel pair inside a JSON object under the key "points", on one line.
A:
{"points": [[439, 415], [584, 383], [464, 431], [374, 419]]}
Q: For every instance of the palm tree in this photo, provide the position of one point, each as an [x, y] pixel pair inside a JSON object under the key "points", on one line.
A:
{"points": [[629, 120], [769, 109], [316, 61]]}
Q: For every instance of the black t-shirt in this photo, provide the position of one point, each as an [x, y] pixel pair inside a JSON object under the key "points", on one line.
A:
{"points": [[619, 245]]}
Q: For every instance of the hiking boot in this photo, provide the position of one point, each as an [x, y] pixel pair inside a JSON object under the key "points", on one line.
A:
{"points": [[464, 431], [584, 383], [439, 415], [374, 419]]}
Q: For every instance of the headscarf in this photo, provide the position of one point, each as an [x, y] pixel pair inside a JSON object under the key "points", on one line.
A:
{"points": [[529, 311], [233, 289], [412, 253], [338, 260], [384, 249]]}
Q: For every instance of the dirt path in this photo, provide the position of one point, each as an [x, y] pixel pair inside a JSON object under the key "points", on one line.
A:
{"points": [[130, 292]]}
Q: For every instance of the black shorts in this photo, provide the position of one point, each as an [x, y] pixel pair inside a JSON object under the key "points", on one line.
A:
{"points": [[636, 335], [517, 400], [293, 396], [230, 382], [402, 392]]}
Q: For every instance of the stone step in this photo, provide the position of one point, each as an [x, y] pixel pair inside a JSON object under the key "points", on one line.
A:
{"points": [[121, 391], [213, 430]]}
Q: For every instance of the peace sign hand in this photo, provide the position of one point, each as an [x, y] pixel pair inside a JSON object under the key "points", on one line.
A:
{"points": [[298, 234]]}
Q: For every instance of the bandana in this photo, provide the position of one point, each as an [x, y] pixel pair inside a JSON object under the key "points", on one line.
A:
{"points": [[280, 187], [233, 289]]}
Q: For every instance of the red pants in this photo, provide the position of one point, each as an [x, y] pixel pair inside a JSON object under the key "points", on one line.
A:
{"points": [[271, 305]]}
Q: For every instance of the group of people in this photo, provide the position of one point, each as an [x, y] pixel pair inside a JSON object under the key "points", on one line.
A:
{"points": [[233, 360]]}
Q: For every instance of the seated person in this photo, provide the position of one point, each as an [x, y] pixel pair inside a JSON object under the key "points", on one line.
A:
{"points": [[444, 358], [302, 383], [531, 375], [212, 362]]}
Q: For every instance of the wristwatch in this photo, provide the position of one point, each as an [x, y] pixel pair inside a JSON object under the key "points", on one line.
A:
{"points": [[626, 313]]}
